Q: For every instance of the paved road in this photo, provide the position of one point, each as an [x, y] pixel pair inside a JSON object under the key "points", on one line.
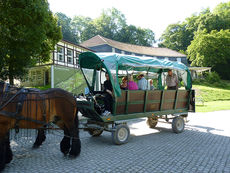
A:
{"points": [[203, 147]]}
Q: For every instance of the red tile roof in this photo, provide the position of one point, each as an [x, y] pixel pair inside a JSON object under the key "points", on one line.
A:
{"points": [[153, 51]]}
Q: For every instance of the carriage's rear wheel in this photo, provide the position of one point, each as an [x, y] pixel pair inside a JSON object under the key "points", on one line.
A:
{"points": [[178, 124], [152, 122], [95, 132], [121, 134]]}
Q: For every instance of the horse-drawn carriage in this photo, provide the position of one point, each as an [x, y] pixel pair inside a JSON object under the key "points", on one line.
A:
{"points": [[26, 108], [171, 105]]}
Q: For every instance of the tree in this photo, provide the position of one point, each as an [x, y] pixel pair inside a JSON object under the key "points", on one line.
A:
{"points": [[83, 28], [179, 36], [111, 24], [175, 37], [212, 50], [66, 28], [136, 35], [28, 32]]}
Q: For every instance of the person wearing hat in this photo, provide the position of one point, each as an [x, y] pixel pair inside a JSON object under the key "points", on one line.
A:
{"points": [[171, 80], [142, 82]]}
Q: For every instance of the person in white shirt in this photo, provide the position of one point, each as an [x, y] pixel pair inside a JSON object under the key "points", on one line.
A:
{"points": [[142, 82]]}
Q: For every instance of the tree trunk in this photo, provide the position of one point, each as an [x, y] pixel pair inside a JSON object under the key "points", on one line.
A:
{"points": [[11, 77]]}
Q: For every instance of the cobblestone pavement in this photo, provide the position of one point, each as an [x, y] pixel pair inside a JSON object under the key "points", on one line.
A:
{"points": [[203, 147]]}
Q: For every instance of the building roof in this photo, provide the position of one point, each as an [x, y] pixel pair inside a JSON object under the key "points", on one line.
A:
{"points": [[152, 51], [74, 44]]}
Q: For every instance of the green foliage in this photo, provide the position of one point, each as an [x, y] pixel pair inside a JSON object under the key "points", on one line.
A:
{"points": [[205, 38], [213, 77], [136, 35], [81, 26], [28, 31], [179, 36], [212, 50], [66, 28], [43, 87], [110, 24]]}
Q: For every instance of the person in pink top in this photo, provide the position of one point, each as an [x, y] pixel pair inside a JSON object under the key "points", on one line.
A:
{"points": [[131, 84]]}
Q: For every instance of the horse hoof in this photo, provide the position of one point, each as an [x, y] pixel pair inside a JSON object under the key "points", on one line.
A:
{"points": [[65, 153], [35, 146], [72, 156]]}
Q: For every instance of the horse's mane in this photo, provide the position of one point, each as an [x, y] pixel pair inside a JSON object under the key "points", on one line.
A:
{"points": [[51, 93]]}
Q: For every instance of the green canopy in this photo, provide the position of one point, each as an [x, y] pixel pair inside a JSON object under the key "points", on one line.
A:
{"points": [[113, 62]]}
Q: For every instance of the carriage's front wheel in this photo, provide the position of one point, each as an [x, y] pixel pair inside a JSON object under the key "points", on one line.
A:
{"points": [[95, 132], [121, 134]]}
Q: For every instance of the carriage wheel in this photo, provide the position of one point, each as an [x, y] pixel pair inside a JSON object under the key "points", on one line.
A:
{"points": [[152, 122], [121, 134], [178, 124], [95, 132]]}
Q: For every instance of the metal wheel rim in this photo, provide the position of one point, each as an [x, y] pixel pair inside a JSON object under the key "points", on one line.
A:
{"points": [[179, 124], [95, 132], [122, 134]]}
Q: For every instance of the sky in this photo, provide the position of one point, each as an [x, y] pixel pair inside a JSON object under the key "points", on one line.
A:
{"points": [[153, 14]]}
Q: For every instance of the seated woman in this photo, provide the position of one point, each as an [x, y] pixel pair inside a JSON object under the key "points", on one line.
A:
{"points": [[108, 93], [131, 84], [124, 85], [151, 84]]}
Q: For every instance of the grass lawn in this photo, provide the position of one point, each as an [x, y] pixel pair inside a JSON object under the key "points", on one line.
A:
{"points": [[213, 106], [42, 87], [211, 98]]}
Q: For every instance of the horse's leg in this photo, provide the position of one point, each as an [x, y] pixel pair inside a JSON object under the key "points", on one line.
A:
{"points": [[65, 143], [41, 137], [8, 154], [2, 151], [76, 143]]}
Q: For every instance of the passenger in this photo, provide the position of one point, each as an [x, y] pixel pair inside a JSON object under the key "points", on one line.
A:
{"points": [[171, 81], [124, 83], [142, 82], [151, 84], [108, 93], [131, 84]]}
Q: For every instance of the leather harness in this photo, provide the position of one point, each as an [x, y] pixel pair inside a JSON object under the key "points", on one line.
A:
{"points": [[22, 93]]}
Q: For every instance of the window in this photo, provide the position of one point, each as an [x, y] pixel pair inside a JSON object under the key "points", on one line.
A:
{"points": [[70, 56], [39, 75], [33, 75], [60, 53]]}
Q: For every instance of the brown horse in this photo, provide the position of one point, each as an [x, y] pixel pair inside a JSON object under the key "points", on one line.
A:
{"points": [[23, 108]]}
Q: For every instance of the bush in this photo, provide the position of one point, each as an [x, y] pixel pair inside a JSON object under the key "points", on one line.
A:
{"points": [[213, 77], [198, 81]]}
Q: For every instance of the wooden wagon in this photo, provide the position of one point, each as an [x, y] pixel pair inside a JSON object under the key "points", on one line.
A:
{"points": [[171, 105]]}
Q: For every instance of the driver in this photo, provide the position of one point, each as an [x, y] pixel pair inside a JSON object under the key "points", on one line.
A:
{"points": [[108, 99]]}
